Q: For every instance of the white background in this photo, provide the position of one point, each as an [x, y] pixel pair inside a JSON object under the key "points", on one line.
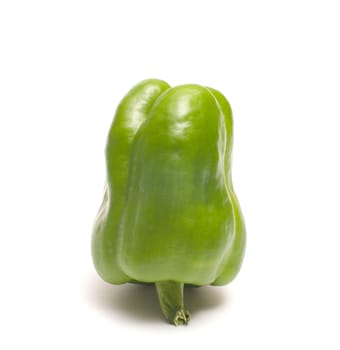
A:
{"points": [[64, 67]]}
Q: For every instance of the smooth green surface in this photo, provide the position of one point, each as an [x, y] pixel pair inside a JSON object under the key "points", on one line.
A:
{"points": [[169, 212]]}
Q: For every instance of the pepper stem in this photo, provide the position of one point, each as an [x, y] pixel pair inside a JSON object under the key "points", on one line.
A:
{"points": [[170, 296]]}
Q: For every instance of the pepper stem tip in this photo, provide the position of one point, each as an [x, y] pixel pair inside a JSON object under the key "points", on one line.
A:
{"points": [[170, 296]]}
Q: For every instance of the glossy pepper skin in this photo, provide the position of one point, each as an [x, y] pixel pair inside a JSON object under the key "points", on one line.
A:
{"points": [[170, 215]]}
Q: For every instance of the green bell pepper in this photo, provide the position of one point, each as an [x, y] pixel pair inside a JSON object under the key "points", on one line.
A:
{"points": [[169, 215]]}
